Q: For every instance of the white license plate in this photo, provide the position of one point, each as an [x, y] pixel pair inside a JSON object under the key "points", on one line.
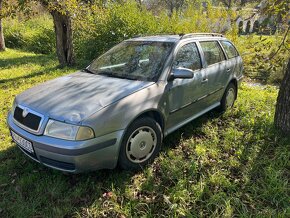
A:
{"points": [[23, 143]]}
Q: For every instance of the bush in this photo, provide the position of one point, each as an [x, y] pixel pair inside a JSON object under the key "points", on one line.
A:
{"points": [[36, 34], [102, 28], [256, 51], [96, 29]]}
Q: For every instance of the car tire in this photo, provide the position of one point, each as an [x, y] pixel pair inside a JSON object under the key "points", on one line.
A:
{"points": [[228, 98], [140, 145]]}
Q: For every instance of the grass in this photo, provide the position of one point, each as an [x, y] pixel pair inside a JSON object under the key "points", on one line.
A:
{"points": [[234, 164], [35, 34]]}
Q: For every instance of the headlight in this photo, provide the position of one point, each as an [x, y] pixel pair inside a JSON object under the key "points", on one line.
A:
{"points": [[66, 131]]}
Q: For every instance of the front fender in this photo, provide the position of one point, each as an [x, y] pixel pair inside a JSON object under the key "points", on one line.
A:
{"points": [[119, 115]]}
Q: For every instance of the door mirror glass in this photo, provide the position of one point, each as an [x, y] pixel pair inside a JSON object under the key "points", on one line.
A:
{"points": [[181, 73]]}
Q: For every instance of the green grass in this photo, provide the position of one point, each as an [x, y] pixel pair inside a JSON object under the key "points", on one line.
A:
{"points": [[35, 34], [234, 164]]}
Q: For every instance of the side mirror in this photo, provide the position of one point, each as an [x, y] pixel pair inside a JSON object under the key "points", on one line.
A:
{"points": [[181, 73]]}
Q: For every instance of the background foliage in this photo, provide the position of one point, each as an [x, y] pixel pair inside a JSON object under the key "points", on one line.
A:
{"points": [[98, 26], [36, 34]]}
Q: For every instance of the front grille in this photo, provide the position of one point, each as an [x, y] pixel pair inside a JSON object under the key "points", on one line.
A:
{"points": [[31, 120], [57, 164]]}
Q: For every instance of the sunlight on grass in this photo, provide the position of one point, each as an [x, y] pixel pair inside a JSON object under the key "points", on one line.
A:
{"points": [[18, 72], [220, 165], [15, 64]]}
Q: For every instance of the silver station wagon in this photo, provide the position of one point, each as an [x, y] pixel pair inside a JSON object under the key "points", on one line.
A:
{"points": [[118, 110]]}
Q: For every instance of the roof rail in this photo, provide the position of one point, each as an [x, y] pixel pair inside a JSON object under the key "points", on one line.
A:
{"points": [[184, 36]]}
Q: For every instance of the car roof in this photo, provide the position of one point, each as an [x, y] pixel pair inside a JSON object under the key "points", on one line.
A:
{"points": [[157, 38], [176, 38]]}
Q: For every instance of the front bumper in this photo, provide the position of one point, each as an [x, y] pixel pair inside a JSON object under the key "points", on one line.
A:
{"points": [[72, 156]]}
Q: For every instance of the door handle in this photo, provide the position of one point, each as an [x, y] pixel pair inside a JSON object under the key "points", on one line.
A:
{"points": [[204, 81]]}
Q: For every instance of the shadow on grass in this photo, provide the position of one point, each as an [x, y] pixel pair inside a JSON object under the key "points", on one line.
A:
{"points": [[190, 130], [41, 60], [28, 76], [38, 59], [256, 185], [38, 190]]}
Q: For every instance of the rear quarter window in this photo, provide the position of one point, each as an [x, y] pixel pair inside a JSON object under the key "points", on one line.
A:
{"points": [[230, 50]]}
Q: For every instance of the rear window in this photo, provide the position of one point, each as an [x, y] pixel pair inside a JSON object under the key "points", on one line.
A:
{"points": [[230, 49], [212, 52]]}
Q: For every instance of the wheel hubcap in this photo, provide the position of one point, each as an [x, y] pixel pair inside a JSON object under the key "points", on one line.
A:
{"points": [[230, 99], [141, 144]]}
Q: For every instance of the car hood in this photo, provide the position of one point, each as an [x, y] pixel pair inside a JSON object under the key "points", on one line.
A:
{"points": [[76, 96]]}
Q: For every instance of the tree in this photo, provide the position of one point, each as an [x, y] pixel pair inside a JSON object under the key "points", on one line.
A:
{"points": [[2, 41], [6, 9], [280, 9], [63, 33], [61, 14], [282, 114]]}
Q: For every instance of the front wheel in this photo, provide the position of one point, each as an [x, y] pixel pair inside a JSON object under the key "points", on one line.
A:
{"points": [[229, 97], [141, 144]]}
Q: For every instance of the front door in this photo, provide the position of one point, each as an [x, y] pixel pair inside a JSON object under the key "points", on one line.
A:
{"points": [[184, 95]]}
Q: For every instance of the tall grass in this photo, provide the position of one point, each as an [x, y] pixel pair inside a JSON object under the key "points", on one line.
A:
{"points": [[35, 34]]}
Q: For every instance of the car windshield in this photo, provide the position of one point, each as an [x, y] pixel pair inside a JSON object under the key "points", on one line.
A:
{"points": [[135, 60]]}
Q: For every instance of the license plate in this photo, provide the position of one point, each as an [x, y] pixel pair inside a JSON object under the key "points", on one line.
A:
{"points": [[23, 143]]}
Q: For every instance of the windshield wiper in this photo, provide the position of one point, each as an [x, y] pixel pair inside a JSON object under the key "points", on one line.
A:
{"points": [[88, 71]]}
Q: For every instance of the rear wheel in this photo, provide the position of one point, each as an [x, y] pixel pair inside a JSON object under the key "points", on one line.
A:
{"points": [[229, 97], [141, 144]]}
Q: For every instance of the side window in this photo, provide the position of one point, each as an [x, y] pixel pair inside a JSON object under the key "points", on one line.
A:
{"points": [[188, 57], [230, 49], [212, 52]]}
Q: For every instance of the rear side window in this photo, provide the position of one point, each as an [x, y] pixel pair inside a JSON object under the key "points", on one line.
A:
{"points": [[212, 52], [188, 57], [230, 49]]}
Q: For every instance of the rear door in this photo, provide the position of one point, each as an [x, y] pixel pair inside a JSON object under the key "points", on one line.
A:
{"points": [[216, 68]]}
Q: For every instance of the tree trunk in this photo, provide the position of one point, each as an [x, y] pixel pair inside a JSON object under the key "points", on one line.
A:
{"points": [[63, 33], [2, 41], [282, 114]]}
